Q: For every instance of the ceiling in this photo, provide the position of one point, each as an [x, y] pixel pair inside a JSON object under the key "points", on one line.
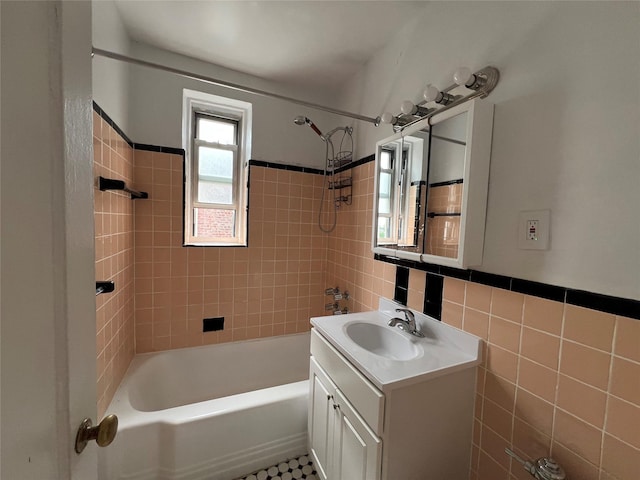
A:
{"points": [[312, 43]]}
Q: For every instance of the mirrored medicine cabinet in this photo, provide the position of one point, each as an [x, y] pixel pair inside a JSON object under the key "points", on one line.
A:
{"points": [[431, 186]]}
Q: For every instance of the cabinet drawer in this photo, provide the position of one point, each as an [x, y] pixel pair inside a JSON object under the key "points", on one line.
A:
{"points": [[363, 395]]}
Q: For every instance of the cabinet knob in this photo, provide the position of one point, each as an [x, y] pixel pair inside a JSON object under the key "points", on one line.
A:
{"points": [[336, 406]]}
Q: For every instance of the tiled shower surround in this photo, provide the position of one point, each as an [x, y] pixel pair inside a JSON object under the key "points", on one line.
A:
{"points": [[556, 378], [114, 243], [270, 288]]}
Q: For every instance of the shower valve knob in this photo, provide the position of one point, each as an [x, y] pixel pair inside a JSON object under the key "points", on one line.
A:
{"points": [[542, 468]]}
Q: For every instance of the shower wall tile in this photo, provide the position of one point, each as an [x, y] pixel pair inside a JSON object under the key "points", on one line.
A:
{"points": [[272, 287], [556, 379], [114, 254]]}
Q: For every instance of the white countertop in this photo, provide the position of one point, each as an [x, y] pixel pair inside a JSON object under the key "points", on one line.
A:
{"points": [[444, 349]]}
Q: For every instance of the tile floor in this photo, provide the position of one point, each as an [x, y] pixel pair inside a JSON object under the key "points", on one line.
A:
{"points": [[294, 469]]}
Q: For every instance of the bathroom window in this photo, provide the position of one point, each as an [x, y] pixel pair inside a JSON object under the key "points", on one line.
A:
{"points": [[216, 137]]}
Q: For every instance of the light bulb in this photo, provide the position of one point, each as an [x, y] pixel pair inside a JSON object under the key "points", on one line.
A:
{"points": [[408, 108], [463, 76], [388, 118], [431, 93]]}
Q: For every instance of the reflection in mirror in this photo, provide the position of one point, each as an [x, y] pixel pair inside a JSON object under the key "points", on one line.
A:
{"points": [[446, 183], [412, 191], [401, 192], [386, 223]]}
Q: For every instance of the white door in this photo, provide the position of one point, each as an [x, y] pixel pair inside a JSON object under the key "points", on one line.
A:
{"points": [[357, 450], [321, 419], [48, 358]]}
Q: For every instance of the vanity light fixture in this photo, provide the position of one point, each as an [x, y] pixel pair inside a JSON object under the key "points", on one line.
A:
{"points": [[464, 77], [481, 83], [391, 119], [432, 94], [409, 108]]}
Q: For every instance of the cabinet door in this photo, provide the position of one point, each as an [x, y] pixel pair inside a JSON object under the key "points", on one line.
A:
{"points": [[357, 450], [321, 419]]}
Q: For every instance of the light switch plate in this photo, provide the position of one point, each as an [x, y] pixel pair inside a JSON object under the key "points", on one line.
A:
{"points": [[533, 230]]}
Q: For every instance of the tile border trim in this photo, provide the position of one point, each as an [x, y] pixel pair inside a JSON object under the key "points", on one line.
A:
{"points": [[114, 125], [315, 171], [623, 307], [283, 166], [135, 146], [159, 149]]}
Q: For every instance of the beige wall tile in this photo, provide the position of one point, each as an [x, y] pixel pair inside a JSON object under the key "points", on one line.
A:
{"points": [[574, 465], [478, 297], [528, 442], [619, 459], [505, 334], [452, 314], [500, 391], [540, 347], [537, 379], [627, 339], [623, 421], [476, 322], [581, 400], [534, 411], [502, 362], [497, 418], [589, 327], [543, 314], [585, 364], [494, 445], [507, 305], [578, 436], [490, 469], [454, 290], [625, 380]]}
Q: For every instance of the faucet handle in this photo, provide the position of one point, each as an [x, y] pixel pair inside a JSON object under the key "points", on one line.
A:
{"points": [[407, 313]]}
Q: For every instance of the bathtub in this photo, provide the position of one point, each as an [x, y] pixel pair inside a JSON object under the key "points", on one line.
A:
{"points": [[213, 412]]}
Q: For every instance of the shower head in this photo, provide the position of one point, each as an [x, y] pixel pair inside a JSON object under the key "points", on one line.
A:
{"points": [[302, 120]]}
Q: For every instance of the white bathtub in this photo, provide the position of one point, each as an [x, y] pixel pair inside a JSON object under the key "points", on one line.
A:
{"points": [[213, 412]]}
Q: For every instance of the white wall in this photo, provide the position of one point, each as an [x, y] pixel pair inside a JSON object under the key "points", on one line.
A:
{"points": [[155, 100], [110, 77], [566, 129]]}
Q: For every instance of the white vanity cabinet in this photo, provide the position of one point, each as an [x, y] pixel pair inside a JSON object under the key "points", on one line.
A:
{"points": [[342, 445], [416, 428]]}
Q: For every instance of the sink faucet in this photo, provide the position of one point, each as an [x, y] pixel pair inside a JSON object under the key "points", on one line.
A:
{"points": [[408, 324]]}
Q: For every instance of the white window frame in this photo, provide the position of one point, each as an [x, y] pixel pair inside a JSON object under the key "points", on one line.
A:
{"points": [[227, 108]]}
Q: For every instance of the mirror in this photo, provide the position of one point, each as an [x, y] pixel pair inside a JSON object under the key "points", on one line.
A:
{"points": [[431, 188]]}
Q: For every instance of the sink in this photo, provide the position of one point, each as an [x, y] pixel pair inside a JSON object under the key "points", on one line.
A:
{"points": [[391, 358], [382, 341]]}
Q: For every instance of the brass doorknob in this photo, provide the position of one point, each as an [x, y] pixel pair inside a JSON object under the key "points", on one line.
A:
{"points": [[103, 433]]}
